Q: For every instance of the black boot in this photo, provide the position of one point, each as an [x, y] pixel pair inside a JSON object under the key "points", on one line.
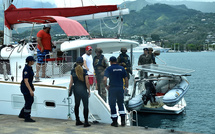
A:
{"points": [[78, 122], [29, 120], [86, 124], [123, 120], [114, 123]]}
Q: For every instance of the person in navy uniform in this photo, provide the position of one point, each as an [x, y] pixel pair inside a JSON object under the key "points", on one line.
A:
{"points": [[81, 90], [27, 89], [116, 73]]}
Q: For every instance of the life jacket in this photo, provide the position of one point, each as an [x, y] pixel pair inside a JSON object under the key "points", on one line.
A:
{"points": [[99, 63], [124, 58]]}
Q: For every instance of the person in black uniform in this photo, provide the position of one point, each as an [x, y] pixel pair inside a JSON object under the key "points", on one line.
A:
{"points": [[27, 89], [116, 74], [81, 85]]}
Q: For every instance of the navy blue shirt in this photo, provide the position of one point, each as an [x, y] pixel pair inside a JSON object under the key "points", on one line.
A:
{"points": [[115, 73], [27, 73]]}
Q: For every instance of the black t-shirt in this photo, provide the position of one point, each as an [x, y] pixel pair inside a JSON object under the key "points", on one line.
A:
{"points": [[78, 83]]}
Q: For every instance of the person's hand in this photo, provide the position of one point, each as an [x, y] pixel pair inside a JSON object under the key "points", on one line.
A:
{"points": [[42, 49], [107, 87], [89, 94], [32, 93]]}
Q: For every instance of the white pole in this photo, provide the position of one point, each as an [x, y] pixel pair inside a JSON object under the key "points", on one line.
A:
{"points": [[7, 32]]}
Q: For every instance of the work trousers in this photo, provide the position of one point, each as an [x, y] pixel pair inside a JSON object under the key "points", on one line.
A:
{"points": [[101, 86], [26, 110], [116, 95]]}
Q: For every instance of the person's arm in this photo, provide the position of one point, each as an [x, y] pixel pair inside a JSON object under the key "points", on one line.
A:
{"points": [[126, 82], [105, 82], [87, 83], [39, 41], [71, 82], [139, 60], [28, 86], [85, 65]]}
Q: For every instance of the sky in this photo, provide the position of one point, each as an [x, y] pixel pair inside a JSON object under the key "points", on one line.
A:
{"points": [[75, 3]]}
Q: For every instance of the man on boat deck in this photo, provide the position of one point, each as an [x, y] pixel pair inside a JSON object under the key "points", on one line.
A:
{"points": [[151, 55], [88, 64], [43, 48], [116, 74], [124, 60], [100, 63], [144, 59]]}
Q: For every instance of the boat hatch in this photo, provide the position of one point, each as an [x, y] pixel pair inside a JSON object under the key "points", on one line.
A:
{"points": [[166, 70]]}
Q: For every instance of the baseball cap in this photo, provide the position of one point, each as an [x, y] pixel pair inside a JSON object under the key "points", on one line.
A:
{"points": [[79, 60], [146, 49], [30, 58], [47, 25], [112, 59], [88, 48]]}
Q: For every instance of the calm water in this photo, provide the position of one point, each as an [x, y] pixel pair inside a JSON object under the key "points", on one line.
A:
{"points": [[200, 112]]}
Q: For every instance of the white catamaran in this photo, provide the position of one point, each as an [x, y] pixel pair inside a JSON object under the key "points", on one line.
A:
{"points": [[51, 95]]}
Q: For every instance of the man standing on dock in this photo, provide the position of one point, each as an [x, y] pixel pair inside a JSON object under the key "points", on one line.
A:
{"points": [[116, 73]]}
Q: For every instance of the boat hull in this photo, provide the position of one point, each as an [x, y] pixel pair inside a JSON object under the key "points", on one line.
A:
{"points": [[173, 96]]}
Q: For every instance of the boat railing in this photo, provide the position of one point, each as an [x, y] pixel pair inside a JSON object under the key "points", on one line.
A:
{"points": [[57, 67], [5, 70]]}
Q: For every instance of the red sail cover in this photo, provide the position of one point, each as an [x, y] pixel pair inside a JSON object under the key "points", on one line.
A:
{"points": [[69, 26], [13, 15]]}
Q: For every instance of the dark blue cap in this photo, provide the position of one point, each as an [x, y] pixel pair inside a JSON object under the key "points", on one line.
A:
{"points": [[146, 49], [30, 58], [112, 59], [79, 60]]}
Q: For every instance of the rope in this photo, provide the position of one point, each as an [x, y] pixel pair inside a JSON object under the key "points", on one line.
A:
{"points": [[110, 27], [101, 28]]}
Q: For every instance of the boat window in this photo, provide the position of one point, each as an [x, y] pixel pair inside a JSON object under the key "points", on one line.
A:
{"points": [[50, 104]]}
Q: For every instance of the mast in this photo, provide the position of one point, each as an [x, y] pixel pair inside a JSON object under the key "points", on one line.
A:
{"points": [[7, 32]]}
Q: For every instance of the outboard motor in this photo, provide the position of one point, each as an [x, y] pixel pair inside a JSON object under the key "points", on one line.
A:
{"points": [[150, 92]]}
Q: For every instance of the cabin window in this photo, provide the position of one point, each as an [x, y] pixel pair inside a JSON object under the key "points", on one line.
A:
{"points": [[50, 104]]}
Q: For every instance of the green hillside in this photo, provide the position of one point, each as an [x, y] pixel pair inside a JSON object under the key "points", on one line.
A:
{"points": [[159, 22]]}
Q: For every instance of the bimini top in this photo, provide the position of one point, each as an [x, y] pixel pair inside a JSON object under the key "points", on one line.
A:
{"points": [[163, 69], [107, 45]]}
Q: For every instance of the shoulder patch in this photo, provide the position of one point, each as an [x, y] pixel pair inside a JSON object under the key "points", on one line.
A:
{"points": [[25, 72]]}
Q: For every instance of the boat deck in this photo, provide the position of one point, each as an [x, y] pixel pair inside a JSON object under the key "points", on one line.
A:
{"points": [[13, 125]]}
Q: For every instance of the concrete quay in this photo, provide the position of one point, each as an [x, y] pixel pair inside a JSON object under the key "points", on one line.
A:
{"points": [[10, 124]]}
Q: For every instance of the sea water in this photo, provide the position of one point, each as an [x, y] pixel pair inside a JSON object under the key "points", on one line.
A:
{"points": [[199, 116]]}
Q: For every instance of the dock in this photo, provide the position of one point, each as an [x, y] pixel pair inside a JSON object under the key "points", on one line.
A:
{"points": [[10, 124]]}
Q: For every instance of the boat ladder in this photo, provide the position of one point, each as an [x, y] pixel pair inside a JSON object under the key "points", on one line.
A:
{"points": [[131, 117]]}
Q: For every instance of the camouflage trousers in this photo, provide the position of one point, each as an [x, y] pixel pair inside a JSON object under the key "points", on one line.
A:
{"points": [[101, 87]]}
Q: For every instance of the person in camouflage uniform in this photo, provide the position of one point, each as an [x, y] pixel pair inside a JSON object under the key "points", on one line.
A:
{"points": [[144, 59], [100, 63], [124, 61], [151, 56]]}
